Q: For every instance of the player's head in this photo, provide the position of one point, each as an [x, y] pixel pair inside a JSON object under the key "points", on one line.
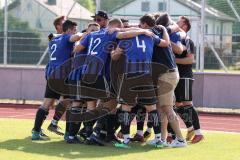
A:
{"points": [[125, 22], [164, 20], [147, 21], [69, 27], [115, 23], [101, 18], [93, 27], [58, 24], [156, 15], [184, 23]]}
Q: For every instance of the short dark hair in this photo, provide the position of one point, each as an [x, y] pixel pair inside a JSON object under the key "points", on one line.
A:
{"points": [[186, 22], [57, 21], [124, 20], [68, 25], [164, 20], [148, 19]]}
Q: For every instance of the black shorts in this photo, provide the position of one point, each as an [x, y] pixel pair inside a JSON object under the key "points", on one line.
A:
{"points": [[138, 89], [49, 93], [93, 88], [183, 91]]}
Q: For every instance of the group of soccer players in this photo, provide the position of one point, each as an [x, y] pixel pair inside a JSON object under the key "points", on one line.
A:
{"points": [[114, 72]]}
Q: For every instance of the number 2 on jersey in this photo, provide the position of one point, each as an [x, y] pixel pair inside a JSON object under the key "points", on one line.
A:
{"points": [[93, 46], [143, 46], [53, 49]]}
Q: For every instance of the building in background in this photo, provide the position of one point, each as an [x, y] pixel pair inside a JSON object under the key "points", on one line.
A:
{"points": [[40, 13], [218, 26]]}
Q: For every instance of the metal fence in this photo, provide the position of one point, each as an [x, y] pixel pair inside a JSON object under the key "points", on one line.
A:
{"points": [[25, 24]]}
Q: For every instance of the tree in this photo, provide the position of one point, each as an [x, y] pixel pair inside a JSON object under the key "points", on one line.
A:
{"points": [[89, 4]]}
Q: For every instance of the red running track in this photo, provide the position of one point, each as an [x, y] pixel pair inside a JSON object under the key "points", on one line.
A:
{"points": [[216, 122]]}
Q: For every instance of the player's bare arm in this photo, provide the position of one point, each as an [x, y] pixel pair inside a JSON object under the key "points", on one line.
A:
{"points": [[165, 41], [187, 60], [75, 37], [177, 48], [134, 33]]}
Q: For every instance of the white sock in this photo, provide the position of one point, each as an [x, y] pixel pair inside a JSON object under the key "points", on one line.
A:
{"points": [[54, 122], [190, 128], [126, 138], [140, 132], [198, 132], [149, 130]]}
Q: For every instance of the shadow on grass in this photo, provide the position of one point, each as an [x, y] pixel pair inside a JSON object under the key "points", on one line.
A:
{"points": [[64, 150]]}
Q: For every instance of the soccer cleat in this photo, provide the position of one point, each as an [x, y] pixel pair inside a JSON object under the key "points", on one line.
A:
{"points": [[190, 135], [178, 144], [75, 140], [66, 136], [122, 145], [94, 139], [146, 135], [157, 143], [137, 138], [37, 136], [197, 138], [55, 129]]}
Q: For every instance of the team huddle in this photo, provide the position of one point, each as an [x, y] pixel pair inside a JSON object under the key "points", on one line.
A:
{"points": [[113, 73]]}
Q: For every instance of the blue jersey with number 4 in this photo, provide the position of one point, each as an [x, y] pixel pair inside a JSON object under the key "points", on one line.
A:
{"points": [[60, 50], [139, 51], [99, 44]]}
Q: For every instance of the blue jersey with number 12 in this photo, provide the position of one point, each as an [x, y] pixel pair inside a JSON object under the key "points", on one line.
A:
{"points": [[99, 45]]}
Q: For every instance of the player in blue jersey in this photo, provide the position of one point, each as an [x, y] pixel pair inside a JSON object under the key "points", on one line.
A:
{"points": [[75, 77], [60, 49], [98, 62], [137, 85]]}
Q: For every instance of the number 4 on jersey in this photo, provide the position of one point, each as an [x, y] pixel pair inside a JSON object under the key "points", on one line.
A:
{"points": [[143, 46]]}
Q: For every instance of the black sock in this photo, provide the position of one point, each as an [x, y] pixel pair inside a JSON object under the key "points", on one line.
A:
{"points": [[117, 124], [124, 119], [59, 111], [74, 126], [40, 117], [67, 121], [111, 123], [155, 120], [89, 127], [140, 117], [100, 125], [194, 117], [185, 116]]}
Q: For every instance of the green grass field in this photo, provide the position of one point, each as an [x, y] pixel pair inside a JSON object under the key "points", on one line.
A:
{"points": [[15, 144]]}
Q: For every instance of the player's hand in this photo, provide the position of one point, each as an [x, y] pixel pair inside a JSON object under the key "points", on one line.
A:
{"points": [[112, 30]]}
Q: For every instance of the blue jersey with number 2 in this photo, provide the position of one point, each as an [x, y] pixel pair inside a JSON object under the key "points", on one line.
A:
{"points": [[60, 50]]}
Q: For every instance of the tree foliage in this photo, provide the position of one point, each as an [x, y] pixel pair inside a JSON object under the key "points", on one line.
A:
{"points": [[89, 4]]}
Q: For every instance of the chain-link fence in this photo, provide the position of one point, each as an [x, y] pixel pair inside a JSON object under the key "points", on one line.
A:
{"points": [[30, 21]]}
